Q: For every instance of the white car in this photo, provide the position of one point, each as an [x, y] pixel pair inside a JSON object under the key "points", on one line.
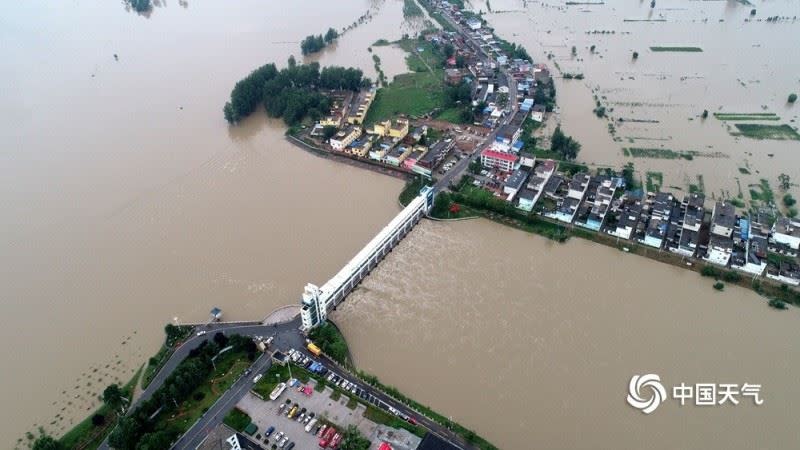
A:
{"points": [[283, 442], [257, 377], [200, 333]]}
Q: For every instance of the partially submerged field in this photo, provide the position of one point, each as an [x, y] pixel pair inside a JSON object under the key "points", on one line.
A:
{"points": [[759, 131]]}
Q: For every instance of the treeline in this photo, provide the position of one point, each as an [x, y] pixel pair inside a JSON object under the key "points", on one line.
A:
{"points": [[137, 431], [312, 44], [291, 93], [545, 94], [460, 97], [513, 50]]}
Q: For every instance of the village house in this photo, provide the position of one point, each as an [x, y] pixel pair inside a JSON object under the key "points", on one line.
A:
{"points": [[345, 137], [498, 160], [360, 107], [723, 222], [630, 213], [514, 183], [786, 231], [397, 155]]}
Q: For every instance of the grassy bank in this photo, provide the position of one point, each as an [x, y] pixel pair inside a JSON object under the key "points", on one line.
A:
{"points": [[174, 336], [411, 190], [87, 435]]}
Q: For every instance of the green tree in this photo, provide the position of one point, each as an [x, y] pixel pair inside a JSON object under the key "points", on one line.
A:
{"points": [[574, 51], [352, 439], [705, 114], [331, 35], [789, 201], [112, 396], [46, 442], [635, 55], [141, 6], [792, 98], [328, 131], [591, 49], [98, 420], [230, 114]]}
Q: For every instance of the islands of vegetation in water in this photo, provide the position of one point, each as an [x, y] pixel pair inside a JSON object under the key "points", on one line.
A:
{"points": [[292, 93], [312, 44], [659, 153], [760, 131], [676, 49], [141, 6], [746, 116]]}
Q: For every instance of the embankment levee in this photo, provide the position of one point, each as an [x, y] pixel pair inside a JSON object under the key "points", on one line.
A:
{"points": [[352, 160], [761, 285]]}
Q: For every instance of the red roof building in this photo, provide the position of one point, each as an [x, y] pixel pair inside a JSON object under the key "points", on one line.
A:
{"points": [[498, 160]]}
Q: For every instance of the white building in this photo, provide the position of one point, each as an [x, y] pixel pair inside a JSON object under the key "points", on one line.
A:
{"points": [[787, 231]]}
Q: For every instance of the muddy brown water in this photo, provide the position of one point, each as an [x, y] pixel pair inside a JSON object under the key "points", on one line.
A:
{"points": [[532, 344], [129, 203]]}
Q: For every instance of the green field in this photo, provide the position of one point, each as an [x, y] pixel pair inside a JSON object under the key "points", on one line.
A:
{"points": [[776, 132], [412, 94], [746, 116], [676, 49]]}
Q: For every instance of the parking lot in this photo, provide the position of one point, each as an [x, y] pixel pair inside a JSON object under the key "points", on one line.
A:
{"points": [[265, 414]]}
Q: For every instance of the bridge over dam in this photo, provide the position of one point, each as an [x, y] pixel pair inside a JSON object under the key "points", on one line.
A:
{"points": [[318, 301]]}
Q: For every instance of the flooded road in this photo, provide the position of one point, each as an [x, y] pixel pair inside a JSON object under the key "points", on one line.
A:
{"points": [[747, 65], [532, 344], [127, 201]]}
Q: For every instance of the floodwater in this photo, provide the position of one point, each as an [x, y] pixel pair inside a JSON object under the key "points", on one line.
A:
{"points": [[747, 65], [532, 344], [128, 201]]}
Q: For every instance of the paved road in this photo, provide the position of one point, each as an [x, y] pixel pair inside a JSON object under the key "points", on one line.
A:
{"points": [[458, 169], [215, 415], [384, 401], [286, 335]]}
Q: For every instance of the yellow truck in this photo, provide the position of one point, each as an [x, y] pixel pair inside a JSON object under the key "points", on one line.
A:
{"points": [[314, 349]]}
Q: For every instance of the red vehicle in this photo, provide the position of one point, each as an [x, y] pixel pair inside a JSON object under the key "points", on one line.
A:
{"points": [[337, 439], [326, 438], [412, 421]]}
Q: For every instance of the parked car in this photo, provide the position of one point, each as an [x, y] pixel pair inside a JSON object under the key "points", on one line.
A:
{"points": [[269, 431], [200, 333], [290, 446], [283, 442], [257, 377]]}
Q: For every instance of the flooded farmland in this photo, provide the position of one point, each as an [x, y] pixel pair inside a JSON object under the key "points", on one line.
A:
{"points": [[746, 65], [129, 203]]}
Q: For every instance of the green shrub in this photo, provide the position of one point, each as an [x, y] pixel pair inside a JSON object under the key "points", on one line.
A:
{"points": [[719, 286]]}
